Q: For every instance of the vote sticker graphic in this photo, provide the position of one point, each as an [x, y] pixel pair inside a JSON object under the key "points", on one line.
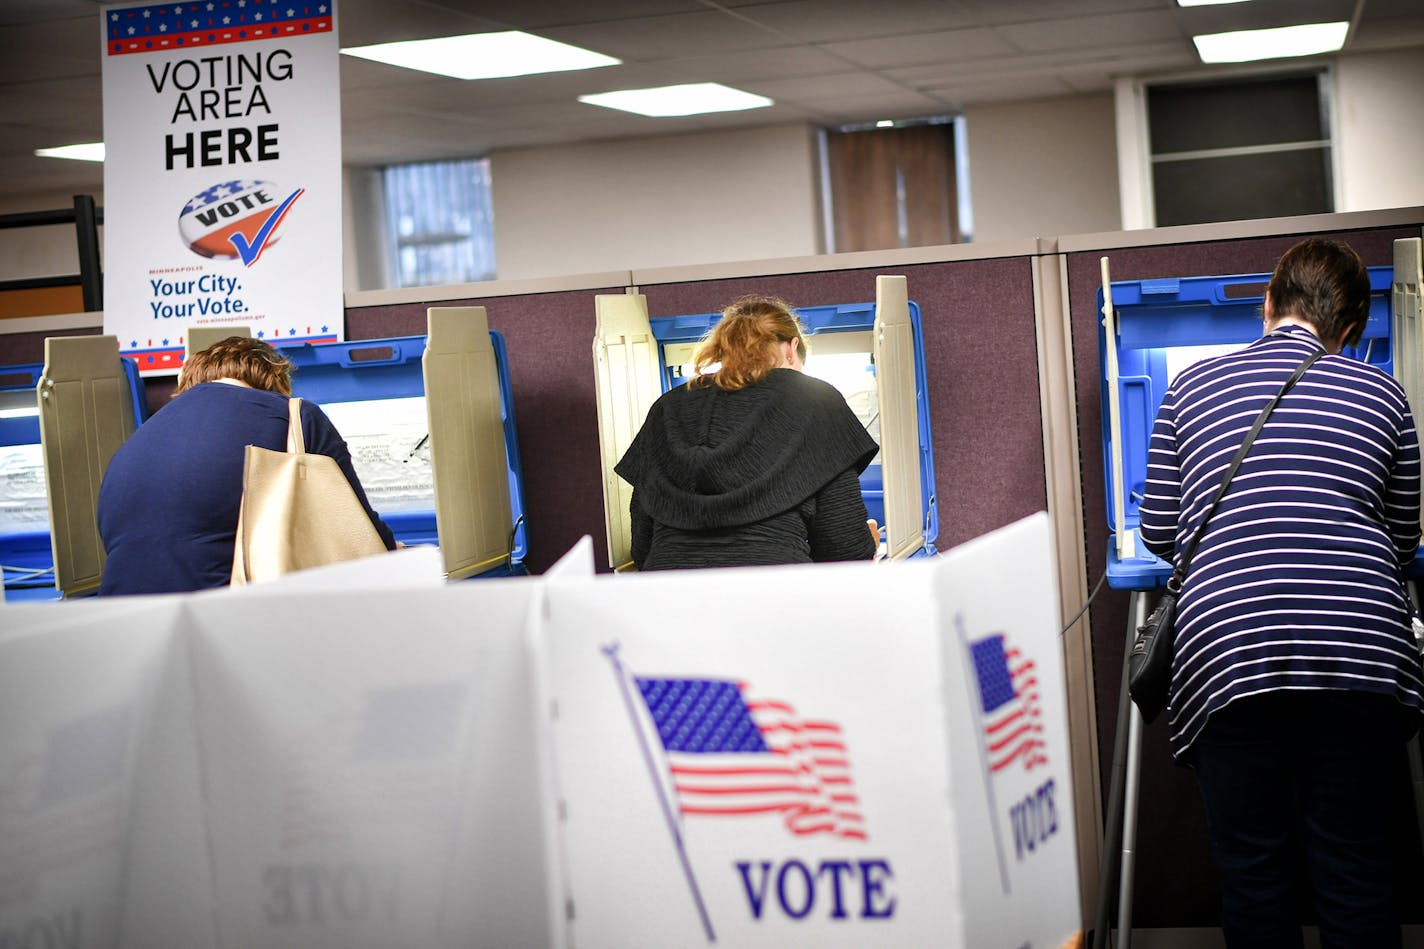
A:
{"points": [[236, 220]]}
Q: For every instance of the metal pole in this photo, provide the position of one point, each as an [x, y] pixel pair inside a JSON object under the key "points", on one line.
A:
{"points": [[1416, 760], [1112, 820], [1129, 801], [91, 275]]}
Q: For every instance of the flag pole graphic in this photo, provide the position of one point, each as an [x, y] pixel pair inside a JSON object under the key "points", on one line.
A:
{"points": [[611, 651], [979, 737]]}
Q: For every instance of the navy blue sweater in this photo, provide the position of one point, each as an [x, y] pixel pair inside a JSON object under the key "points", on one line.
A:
{"points": [[169, 501], [1297, 582]]}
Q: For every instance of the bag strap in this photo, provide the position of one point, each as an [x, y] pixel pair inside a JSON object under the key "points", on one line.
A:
{"points": [[295, 443], [1179, 573]]}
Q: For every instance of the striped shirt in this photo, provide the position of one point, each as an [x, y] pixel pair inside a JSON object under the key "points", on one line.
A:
{"points": [[1297, 581]]}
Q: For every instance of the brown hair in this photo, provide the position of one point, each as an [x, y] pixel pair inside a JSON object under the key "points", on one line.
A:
{"points": [[746, 342], [1325, 283], [247, 360]]}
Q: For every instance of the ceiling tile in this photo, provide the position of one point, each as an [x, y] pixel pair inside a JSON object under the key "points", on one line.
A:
{"points": [[650, 38], [821, 21], [812, 88], [1086, 32], [951, 46]]}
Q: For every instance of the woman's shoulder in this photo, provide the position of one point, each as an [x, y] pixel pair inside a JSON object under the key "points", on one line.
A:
{"points": [[803, 385]]}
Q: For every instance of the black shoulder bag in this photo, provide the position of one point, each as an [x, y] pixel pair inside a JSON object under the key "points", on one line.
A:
{"points": [[1149, 662]]}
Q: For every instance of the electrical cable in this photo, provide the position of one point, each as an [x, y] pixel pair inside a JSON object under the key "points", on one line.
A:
{"points": [[1091, 596]]}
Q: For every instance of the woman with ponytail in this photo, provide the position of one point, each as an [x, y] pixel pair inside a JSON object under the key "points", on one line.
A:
{"points": [[752, 461]]}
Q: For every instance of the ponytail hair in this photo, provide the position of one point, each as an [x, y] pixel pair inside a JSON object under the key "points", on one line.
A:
{"points": [[745, 344]]}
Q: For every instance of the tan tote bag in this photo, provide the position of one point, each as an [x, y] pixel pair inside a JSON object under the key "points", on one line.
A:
{"points": [[298, 511]]}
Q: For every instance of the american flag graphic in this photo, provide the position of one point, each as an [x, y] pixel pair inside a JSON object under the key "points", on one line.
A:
{"points": [[162, 27], [730, 755], [1008, 691]]}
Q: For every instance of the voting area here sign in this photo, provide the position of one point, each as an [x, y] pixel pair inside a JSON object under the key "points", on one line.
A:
{"points": [[222, 173]]}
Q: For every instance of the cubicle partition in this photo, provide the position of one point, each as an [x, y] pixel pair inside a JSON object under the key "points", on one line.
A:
{"points": [[981, 362], [1174, 881]]}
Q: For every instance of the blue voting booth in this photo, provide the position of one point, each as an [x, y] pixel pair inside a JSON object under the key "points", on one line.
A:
{"points": [[25, 549], [373, 390], [840, 352], [1159, 328]]}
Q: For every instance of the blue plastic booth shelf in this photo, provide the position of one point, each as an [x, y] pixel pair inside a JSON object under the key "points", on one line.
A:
{"points": [[25, 550], [856, 382], [1158, 321]]}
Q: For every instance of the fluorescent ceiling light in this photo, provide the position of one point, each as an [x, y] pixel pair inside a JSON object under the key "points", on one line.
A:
{"points": [[484, 55], [1242, 46], [885, 124], [693, 98], [92, 151], [1205, 3]]}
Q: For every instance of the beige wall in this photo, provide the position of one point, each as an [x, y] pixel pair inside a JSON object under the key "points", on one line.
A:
{"points": [[688, 199], [1042, 168], [1378, 112]]}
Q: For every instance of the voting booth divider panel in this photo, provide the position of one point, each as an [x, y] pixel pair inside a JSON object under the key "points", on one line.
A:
{"points": [[366, 756]]}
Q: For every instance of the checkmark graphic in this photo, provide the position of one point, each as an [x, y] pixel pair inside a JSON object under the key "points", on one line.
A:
{"points": [[249, 252]]}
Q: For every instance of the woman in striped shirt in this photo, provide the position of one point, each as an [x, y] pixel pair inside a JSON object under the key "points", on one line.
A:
{"points": [[1296, 676]]}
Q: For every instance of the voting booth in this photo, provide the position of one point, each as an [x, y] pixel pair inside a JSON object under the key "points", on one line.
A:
{"points": [[1149, 331], [429, 421], [377, 393], [872, 352], [60, 422], [549, 762], [1152, 329], [811, 764]]}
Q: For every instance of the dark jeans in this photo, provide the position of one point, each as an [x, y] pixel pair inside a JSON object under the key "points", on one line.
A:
{"points": [[1296, 776]]}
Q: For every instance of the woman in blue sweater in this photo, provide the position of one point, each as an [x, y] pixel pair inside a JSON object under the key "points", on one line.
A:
{"points": [[169, 500], [1296, 676]]}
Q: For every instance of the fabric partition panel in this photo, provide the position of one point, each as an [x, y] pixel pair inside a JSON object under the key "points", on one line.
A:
{"points": [[1175, 885], [830, 774]]}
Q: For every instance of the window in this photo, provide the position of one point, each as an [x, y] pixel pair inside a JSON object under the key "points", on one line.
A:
{"points": [[1238, 149], [439, 223]]}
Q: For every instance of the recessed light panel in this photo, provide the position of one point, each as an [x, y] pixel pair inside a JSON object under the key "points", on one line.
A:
{"points": [[484, 55], [695, 98], [1205, 3], [91, 151], [1307, 39]]}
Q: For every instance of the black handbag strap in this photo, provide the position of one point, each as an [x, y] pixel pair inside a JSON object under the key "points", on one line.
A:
{"points": [[1179, 573]]}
